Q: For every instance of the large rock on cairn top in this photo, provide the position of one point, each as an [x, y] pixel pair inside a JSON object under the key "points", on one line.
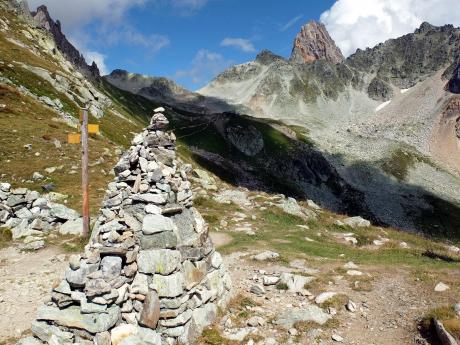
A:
{"points": [[150, 274]]}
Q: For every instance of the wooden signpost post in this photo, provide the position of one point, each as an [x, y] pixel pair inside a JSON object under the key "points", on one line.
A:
{"points": [[76, 138], [84, 172]]}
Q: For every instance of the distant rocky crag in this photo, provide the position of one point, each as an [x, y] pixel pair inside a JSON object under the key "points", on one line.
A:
{"points": [[150, 274], [42, 19], [314, 43]]}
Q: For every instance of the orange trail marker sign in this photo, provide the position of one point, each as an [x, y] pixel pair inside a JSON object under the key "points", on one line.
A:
{"points": [[74, 138], [93, 129]]}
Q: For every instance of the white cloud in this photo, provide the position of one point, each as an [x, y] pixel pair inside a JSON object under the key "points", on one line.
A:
{"points": [[364, 23], [239, 43], [189, 4], [99, 59], [205, 65], [130, 36], [290, 23], [76, 13]]}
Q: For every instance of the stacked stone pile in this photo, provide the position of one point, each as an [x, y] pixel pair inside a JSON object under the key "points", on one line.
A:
{"points": [[150, 274], [31, 216]]}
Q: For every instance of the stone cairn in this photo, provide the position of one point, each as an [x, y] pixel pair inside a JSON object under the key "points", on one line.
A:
{"points": [[150, 274], [31, 216]]}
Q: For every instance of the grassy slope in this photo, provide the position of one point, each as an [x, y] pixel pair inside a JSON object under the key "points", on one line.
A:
{"points": [[26, 121]]}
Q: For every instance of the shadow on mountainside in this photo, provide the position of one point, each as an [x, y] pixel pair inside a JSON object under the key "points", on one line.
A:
{"points": [[252, 153]]}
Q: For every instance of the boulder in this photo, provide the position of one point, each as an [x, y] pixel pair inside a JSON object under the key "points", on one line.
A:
{"points": [[357, 222], [72, 227], [310, 313], [63, 212]]}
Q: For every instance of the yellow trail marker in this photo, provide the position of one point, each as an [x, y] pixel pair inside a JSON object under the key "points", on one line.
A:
{"points": [[73, 138], [93, 129]]}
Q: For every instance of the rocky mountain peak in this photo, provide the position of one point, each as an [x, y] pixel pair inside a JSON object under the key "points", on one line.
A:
{"points": [[314, 43], [42, 19], [266, 57]]}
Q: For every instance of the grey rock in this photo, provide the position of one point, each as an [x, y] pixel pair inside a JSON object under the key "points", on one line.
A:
{"points": [[267, 255], [73, 318], [29, 341], [63, 287], [295, 282], [63, 212], [102, 338], [24, 213], [14, 200], [257, 290], [161, 261], [140, 284], [154, 223], [166, 239], [74, 262], [180, 320], [168, 286], [111, 267], [72, 227], [204, 315], [92, 308], [270, 280], [32, 195], [5, 187], [310, 313], [113, 225], [357, 222], [151, 310], [40, 202], [44, 332], [158, 199], [77, 278], [97, 287]]}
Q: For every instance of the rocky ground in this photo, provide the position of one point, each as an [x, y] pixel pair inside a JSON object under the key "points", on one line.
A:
{"points": [[26, 278], [385, 311]]}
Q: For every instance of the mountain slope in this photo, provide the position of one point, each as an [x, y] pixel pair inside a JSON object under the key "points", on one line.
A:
{"points": [[378, 117], [41, 94]]}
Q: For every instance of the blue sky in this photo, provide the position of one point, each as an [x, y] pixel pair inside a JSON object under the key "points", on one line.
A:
{"points": [[191, 41]]}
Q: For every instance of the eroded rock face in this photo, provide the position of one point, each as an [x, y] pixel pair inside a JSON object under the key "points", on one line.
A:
{"points": [[43, 20], [147, 278], [314, 43]]}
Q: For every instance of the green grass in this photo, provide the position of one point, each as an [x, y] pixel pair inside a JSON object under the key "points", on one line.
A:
{"points": [[401, 160], [278, 231], [6, 237], [212, 336]]}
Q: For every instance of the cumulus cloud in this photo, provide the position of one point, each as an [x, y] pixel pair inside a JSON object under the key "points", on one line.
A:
{"points": [[290, 23], [239, 43], [204, 66], [364, 23], [76, 13]]}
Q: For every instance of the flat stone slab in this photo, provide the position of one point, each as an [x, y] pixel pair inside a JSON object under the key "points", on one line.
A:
{"points": [[72, 317], [310, 313]]}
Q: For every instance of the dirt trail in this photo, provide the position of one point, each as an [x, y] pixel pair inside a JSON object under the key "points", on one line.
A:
{"points": [[387, 314], [26, 281]]}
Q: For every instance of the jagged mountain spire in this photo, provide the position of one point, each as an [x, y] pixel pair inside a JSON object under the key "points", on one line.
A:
{"points": [[314, 43], [42, 19]]}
